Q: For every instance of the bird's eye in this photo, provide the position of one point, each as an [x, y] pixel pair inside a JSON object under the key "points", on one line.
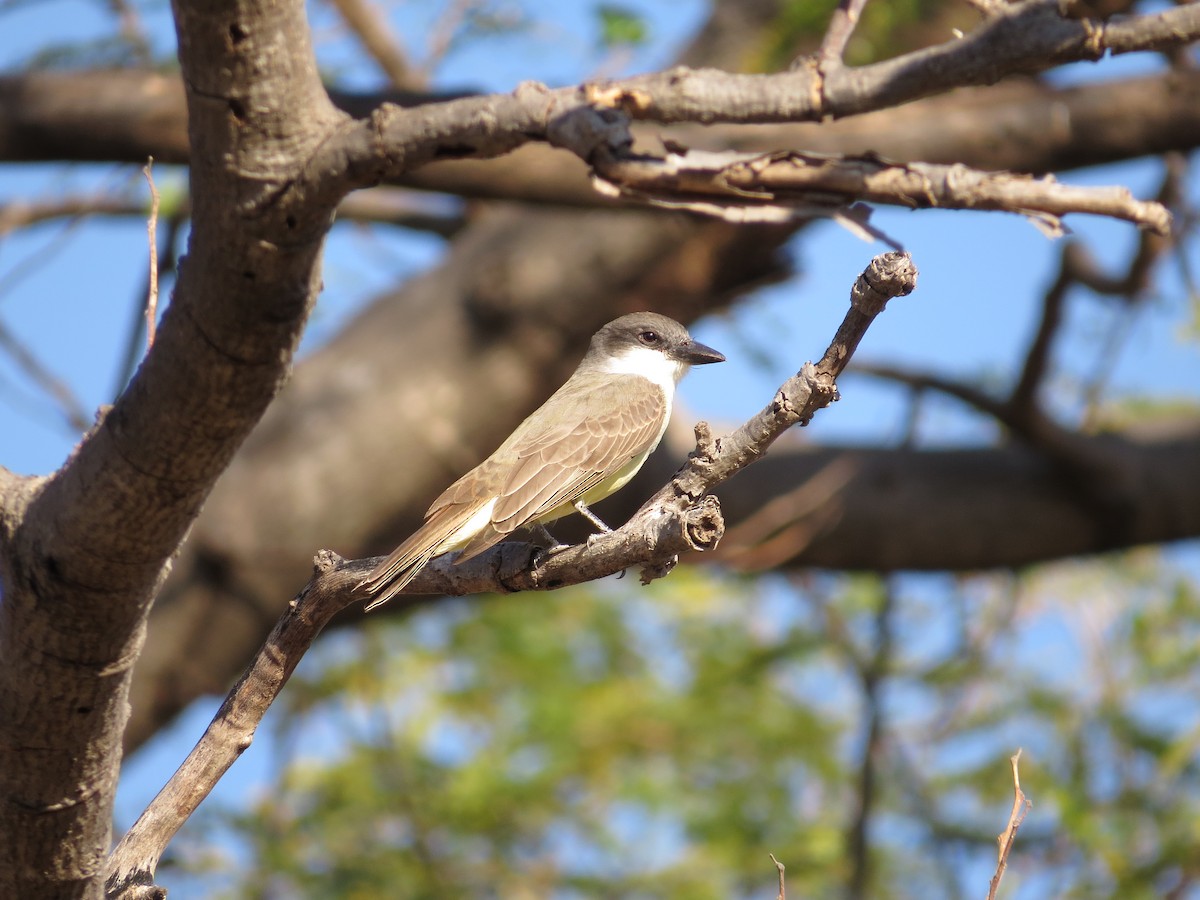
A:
{"points": [[650, 338]]}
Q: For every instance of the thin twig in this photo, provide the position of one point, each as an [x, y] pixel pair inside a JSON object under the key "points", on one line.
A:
{"points": [[837, 35], [22, 214], [136, 329], [71, 407], [152, 231], [789, 522], [930, 381], [442, 34], [1134, 287], [782, 895], [372, 30], [1037, 357], [30, 264], [1078, 267], [1021, 806], [131, 29]]}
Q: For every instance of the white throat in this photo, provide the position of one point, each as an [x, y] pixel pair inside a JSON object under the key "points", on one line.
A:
{"points": [[650, 364]]}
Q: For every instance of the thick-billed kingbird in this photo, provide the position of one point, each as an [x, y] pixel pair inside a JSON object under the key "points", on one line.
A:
{"points": [[581, 445]]}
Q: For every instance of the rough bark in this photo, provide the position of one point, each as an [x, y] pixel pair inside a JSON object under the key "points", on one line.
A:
{"points": [[85, 550]]}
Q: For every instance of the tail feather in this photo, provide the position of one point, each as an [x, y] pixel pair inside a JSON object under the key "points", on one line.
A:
{"points": [[392, 576], [440, 534]]}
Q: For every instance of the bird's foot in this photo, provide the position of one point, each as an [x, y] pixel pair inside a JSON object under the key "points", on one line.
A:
{"points": [[546, 545]]}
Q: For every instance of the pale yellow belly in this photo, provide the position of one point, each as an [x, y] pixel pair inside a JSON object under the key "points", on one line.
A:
{"points": [[610, 485]]}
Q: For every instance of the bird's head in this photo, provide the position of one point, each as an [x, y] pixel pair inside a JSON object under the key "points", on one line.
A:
{"points": [[649, 344]]}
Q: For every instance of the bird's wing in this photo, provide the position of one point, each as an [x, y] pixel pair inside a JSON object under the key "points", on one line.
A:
{"points": [[602, 432]]}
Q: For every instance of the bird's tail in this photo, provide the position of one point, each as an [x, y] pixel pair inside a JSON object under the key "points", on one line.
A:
{"points": [[391, 576], [447, 527]]}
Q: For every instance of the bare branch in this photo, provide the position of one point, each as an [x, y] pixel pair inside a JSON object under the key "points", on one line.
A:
{"points": [[783, 525], [928, 381], [441, 37], [1027, 37], [59, 391], [136, 329], [1132, 287], [1157, 32], [1006, 839], [1037, 357], [39, 257], [782, 895], [1102, 472], [798, 183], [372, 30], [152, 234], [134, 860], [841, 25], [592, 121], [21, 214], [1023, 126], [1078, 266], [382, 205], [131, 29], [95, 541], [678, 518]]}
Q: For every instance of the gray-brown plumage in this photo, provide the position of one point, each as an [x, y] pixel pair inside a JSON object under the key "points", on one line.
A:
{"points": [[583, 443]]}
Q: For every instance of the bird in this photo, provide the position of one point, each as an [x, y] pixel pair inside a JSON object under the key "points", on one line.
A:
{"points": [[585, 442]]}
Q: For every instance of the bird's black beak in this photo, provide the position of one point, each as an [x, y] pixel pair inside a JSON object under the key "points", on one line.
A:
{"points": [[696, 354]]}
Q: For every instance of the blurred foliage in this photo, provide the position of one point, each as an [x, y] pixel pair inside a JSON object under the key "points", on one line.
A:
{"points": [[620, 25], [641, 743], [886, 29]]}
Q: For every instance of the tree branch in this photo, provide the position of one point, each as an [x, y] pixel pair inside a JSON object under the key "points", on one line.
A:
{"points": [[680, 517], [1018, 125], [1077, 266], [794, 183], [593, 120]]}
